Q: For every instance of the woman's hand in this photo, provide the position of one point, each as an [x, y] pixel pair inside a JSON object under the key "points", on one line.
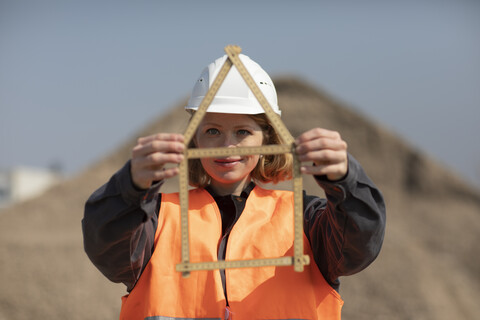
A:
{"points": [[326, 149], [151, 154]]}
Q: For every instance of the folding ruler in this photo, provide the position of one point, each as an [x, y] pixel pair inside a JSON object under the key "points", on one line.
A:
{"points": [[298, 260]]}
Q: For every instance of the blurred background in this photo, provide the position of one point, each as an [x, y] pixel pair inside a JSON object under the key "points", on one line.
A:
{"points": [[79, 77], [80, 80]]}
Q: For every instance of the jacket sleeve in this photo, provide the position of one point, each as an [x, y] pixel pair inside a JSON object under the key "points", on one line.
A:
{"points": [[119, 227], [346, 230]]}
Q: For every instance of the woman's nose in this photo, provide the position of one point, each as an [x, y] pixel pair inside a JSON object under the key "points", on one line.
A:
{"points": [[230, 141]]}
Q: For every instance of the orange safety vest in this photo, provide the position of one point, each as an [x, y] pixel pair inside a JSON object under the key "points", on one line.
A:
{"points": [[264, 230]]}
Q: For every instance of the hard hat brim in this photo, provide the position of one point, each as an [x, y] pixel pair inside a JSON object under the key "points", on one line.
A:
{"points": [[235, 106]]}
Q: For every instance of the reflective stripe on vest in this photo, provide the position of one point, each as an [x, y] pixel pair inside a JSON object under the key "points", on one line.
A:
{"points": [[264, 230], [170, 318]]}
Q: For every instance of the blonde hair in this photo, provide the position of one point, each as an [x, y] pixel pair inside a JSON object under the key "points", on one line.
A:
{"points": [[270, 168]]}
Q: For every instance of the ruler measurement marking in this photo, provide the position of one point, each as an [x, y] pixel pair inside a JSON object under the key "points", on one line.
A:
{"points": [[232, 52], [298, 260], [224, 264], [207, 100], [239, 151]]}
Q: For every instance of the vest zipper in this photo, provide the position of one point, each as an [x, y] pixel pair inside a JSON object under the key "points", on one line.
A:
{"points": [[222, 250], [222, 247]]}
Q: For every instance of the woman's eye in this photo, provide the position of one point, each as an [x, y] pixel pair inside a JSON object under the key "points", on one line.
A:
{"points": [[212, 131], [243, 132]]}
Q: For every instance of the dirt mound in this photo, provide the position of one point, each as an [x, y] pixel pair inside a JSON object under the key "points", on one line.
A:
{"points": [[428, 268]]}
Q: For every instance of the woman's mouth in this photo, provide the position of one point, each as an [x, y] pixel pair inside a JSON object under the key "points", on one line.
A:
{"points": [[228, 162]]}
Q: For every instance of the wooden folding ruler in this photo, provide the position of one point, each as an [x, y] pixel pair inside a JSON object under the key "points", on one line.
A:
{"points": [[298, 260]]}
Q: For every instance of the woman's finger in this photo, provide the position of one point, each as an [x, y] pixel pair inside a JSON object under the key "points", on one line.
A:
{"points": [[333, 172], [315, 134], [320, 144], [157, 159], [325, 156], [161, 137], [155, 146]]}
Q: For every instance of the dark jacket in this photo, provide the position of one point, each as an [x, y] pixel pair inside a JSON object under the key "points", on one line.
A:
{"points": [[345, 231]]}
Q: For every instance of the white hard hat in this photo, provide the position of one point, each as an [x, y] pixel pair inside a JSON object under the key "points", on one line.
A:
{"points": [[234, 95]]}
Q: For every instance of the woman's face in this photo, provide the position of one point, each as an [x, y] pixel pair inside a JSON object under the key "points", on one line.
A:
{"points": [[229, 174]]}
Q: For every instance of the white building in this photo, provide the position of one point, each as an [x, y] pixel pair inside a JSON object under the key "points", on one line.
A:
{"points": [[22, 183]]}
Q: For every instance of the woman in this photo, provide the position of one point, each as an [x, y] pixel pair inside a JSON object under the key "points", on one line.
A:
{"points": [[132, 232]]}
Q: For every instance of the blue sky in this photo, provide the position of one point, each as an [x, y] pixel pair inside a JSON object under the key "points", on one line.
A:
{"points": [[77, 78]]}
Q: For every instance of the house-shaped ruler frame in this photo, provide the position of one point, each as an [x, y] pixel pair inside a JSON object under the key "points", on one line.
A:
{"points": [[298, 260]]}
